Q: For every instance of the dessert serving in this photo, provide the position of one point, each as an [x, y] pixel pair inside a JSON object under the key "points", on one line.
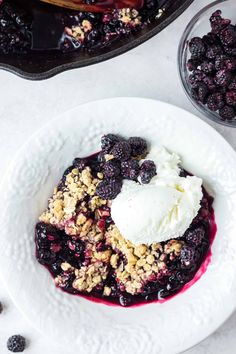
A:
{"points": [[127, 225]]}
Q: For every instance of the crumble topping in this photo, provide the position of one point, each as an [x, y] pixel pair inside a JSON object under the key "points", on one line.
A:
{"points": [[142, 263], [134, 265], [61, 209]]}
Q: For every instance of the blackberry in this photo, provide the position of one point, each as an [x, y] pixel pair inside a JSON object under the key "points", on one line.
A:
{"points": [[108, 141], [213, 51], [80, 163], [217, 22], [111, 169], [223, 78], [76, 246], [16, 343], [230, 64], [147, 171], [195, 236], [130, 169], [109, 189], [46, 257], [232, 85], [47, 232], [230, 98], [228, 36], [202, 92], [194, 94], [210, 38], [121, 151], [207, 67], [192, 64], [230, 51], [1, 307], [187, 256], [56, 268], [196, 77], [209, 81], [220, 61], [215, 101], [138, 146], [197, 48], [227, 113]]}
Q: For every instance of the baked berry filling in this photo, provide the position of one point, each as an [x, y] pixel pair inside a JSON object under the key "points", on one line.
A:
{"points": [[78, 242], [29, 26]]}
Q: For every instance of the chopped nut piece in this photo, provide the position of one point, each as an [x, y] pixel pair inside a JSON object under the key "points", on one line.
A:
{"points": [[140, 250], [150, 259], [81, 219], [141, 262], [109, 157], [114, 260], [65, 266], [107, 291], [147, 267], [86, 227], [100, 175]]}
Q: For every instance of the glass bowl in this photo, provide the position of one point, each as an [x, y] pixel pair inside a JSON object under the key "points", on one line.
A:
{"points": [[198, 27]]}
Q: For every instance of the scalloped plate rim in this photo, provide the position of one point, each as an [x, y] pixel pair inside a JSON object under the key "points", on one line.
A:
{"points": [[115, 100]]}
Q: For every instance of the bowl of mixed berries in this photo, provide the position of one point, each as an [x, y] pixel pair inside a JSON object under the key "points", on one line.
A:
{"points": [[207, 61]]}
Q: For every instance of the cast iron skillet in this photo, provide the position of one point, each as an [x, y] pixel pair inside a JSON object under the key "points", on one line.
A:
{"points": [[44, 64]]}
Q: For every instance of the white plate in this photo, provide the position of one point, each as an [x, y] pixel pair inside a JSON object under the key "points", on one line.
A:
{"points": [[92, 328]]}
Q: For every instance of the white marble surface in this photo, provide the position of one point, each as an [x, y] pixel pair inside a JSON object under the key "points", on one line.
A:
{"points": [[147, 71]]}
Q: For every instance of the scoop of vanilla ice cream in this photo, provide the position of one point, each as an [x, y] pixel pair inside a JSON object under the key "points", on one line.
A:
{"points": [[162, 209]]}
